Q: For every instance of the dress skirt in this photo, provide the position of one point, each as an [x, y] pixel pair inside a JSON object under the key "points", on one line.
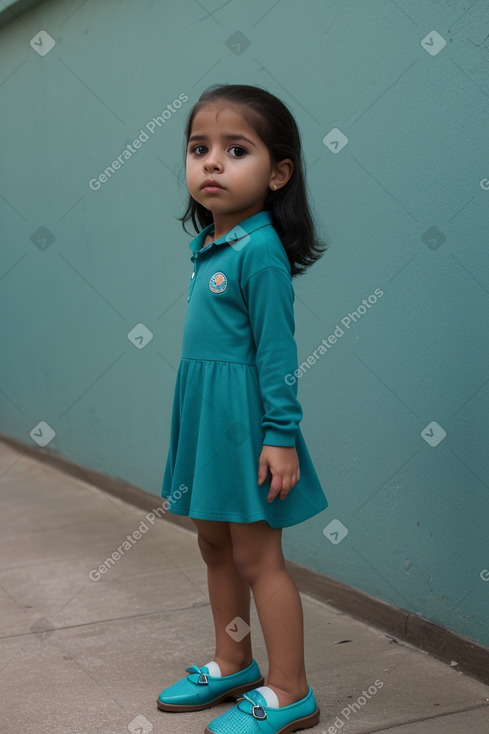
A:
{"points": [[215, 443]]}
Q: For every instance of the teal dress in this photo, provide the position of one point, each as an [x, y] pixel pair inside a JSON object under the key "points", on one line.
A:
{"points": [[235, 389]]}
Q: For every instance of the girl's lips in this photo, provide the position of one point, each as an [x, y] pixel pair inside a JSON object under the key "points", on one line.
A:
{"points": [[212, 189], [211, 183]]}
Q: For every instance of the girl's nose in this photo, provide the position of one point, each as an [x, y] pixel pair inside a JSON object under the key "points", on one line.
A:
{"points": [[212, 162]]}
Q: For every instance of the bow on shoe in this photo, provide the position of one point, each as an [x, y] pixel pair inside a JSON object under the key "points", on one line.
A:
{"points": [[257, 711], [202, 679]]}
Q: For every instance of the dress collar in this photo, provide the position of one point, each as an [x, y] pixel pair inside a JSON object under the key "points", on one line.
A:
{"points": [[256, 221]]}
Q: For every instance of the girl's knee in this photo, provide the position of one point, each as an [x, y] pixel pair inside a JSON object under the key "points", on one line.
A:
{"points": [[247, 565], [206, 548], [214, 550], [253, 565], [257, 552]]}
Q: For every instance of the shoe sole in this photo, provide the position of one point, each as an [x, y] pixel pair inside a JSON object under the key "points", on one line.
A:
{"points": [[304, 723], [199, 707]]}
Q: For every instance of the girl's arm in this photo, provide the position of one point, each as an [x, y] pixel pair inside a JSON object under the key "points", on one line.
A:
{"points": [[269, 295]]}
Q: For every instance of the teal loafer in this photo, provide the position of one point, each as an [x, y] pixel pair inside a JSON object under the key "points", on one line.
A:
{"points": [[251, 715], [199, 690]]}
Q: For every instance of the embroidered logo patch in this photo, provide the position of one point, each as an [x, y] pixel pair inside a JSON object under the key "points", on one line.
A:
{"points": [[218, 283]]}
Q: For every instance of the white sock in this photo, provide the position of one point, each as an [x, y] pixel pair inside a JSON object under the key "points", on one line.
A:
{"points": [[269, 695], [213, 669]]}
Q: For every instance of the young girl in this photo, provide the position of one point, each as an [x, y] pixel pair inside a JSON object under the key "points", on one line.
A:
{"points": [[238, 464]]}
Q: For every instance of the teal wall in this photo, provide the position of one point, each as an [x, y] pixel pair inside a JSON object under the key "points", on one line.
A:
{"points": [[403, 205]]}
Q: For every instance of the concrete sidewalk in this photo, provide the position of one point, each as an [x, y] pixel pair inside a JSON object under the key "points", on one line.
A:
{"points": [[81, 654]]}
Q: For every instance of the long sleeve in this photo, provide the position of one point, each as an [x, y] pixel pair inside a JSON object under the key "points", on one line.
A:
{"points": [[269, 296]]}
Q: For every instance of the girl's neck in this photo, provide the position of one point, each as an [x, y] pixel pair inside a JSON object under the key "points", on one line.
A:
{"points": [[223, 223]]}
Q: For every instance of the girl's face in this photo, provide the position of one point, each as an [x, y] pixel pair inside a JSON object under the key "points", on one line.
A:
{"points": [[224, 148]]}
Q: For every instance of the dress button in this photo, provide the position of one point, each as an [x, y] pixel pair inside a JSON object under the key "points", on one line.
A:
{"points": [[193, 275]]}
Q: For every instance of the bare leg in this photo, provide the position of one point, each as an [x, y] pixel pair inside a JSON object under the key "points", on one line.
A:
{"points": [[258, 555], [229, 594]]}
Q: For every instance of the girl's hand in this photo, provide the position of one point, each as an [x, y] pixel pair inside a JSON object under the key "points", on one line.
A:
{"points": [[283, 464]]}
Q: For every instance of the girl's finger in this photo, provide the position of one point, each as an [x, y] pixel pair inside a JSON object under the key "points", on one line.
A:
{"points": [[275, 487], [262, 470], [287, 484]]}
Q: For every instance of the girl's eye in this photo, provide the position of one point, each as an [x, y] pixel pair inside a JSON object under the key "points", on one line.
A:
{"points": [[201, 149]]}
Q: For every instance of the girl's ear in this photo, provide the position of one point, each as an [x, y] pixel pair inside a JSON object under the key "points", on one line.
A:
{"points": [[282, 173]]}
